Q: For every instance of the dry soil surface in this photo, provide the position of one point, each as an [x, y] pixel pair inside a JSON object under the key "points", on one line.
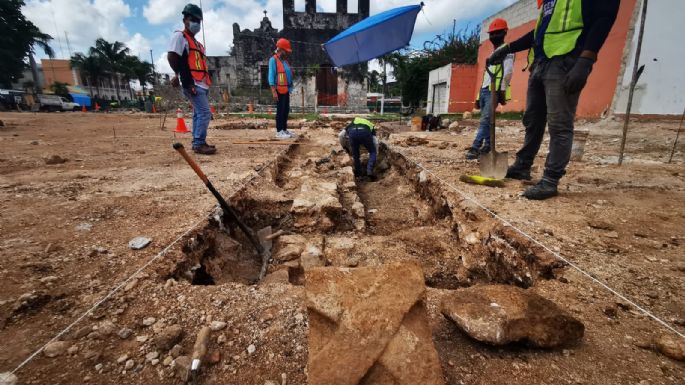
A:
{"points": [[66, 228]]}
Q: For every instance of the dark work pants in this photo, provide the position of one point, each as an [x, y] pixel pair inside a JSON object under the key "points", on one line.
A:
{"points": [[549, 104], [358, 138], [282, 112]]}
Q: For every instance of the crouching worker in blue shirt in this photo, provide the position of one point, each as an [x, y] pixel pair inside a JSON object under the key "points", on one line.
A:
{"points": [[362, 132]]}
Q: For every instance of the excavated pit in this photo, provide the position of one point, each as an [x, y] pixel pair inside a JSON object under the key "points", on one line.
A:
{"points": [[329, 219]]}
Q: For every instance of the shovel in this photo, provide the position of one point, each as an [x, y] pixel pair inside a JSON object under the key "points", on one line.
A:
{"points": [[493, 164], [263, 248]]}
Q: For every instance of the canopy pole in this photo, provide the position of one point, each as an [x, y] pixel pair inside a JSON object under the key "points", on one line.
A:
{"points": [[385, 85]]}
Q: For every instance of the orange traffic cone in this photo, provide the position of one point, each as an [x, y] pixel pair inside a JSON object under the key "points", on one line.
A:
{"points": [[180, 123], [83, 109], [97, 107], [154, 109]]}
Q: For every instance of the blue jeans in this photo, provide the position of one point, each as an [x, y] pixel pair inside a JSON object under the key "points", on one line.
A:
{"points": [[483, 134], [358, 138], [282, 112], [201, 114]]}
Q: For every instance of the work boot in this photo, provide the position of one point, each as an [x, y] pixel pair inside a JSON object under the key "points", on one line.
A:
{"points": [[204, 149], [517, 173], [472, 154], [485, 150], [371, 178], [541, 191]]}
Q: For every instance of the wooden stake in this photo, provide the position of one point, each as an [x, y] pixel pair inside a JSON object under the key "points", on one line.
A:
{"points": [[677, 136], [636, 75]]}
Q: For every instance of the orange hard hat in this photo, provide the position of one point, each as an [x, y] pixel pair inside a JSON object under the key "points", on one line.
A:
{"points": [[284, 44], [498, 25]]}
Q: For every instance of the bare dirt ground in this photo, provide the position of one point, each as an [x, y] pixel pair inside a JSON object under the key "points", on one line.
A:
{"points": [[66, 227]]}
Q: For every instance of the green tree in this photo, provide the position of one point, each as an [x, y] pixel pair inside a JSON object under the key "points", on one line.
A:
{"points": [[59, 88], [18, 37], [374, 79], [113, 56], [92, 68], [411, 68], [135, 69]]}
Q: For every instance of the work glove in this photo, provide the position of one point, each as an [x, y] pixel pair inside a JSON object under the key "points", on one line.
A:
{"points": [[502, 97], [476, 104], [498, 55], [577, 76], [275, 95]]}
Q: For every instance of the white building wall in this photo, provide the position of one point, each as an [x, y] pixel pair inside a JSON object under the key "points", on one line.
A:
{"points": [[661, 89], [517, 14], [436, 77]]}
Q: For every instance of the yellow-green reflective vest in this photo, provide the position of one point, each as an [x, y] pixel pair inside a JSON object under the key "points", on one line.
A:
{"points": [[364, 122], [498, 70], [563, 30]]}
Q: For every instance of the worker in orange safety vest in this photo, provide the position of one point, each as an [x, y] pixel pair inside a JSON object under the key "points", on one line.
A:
{"points": [[188, 60], [281, 82]]}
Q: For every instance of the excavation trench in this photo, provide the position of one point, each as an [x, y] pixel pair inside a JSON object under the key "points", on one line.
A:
{"points": [[329, 219]]}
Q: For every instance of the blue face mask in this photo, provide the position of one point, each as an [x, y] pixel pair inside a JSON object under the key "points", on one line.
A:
{"points": [[194, 27]]}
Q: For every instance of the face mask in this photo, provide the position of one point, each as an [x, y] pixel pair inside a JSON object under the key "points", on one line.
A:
{"points": [[194, 27], [497, 40]]}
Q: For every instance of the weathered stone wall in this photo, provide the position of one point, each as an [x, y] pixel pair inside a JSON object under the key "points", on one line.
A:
{"points": [[244, 69]]}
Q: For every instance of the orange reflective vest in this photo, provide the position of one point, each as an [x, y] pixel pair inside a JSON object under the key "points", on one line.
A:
{"points": [[281, 77], [197, 61]]}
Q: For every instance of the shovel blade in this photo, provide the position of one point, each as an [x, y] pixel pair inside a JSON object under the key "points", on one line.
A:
{"points": [[263, 235], [494, 165]]}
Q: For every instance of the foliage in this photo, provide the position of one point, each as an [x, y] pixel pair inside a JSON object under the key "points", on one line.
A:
{"points": [[411, 68], [106, 59], [374, 79], [17, 39], [59, 88]]}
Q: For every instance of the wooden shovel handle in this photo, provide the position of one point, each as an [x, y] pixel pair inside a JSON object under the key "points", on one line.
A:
{"points": [[181, 150]]}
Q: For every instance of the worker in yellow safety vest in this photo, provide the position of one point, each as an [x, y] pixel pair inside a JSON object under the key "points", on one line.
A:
{"points": [[563, 48], [502, 73], [281, 82], [361, 132]]}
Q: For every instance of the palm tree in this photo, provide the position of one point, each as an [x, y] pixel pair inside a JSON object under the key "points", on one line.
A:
{"points": [[113, 55], [374, 78], [135, 69], [91, 67], [41, 40]]}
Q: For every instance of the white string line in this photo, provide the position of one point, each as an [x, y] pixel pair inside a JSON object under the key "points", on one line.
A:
{"points": [[132, 276], [557, 255]]}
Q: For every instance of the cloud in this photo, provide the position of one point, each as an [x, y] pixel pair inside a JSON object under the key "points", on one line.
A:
{"points": [[139, 46], [82, 21], [437, 16], [163, 11]]}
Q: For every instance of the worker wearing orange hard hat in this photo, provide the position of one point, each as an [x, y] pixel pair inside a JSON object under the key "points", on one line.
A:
{"points": [[502, 73], [281, 82]]}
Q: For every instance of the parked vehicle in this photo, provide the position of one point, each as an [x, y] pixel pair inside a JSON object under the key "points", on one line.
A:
{"points": [[52, 103], [11, 99]]}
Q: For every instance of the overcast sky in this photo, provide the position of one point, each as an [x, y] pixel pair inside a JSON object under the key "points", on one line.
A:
{"points": [[147, 24]]}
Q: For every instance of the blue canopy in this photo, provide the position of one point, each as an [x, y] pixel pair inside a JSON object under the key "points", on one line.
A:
{"points": [[373, 37], [82, 100]]}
